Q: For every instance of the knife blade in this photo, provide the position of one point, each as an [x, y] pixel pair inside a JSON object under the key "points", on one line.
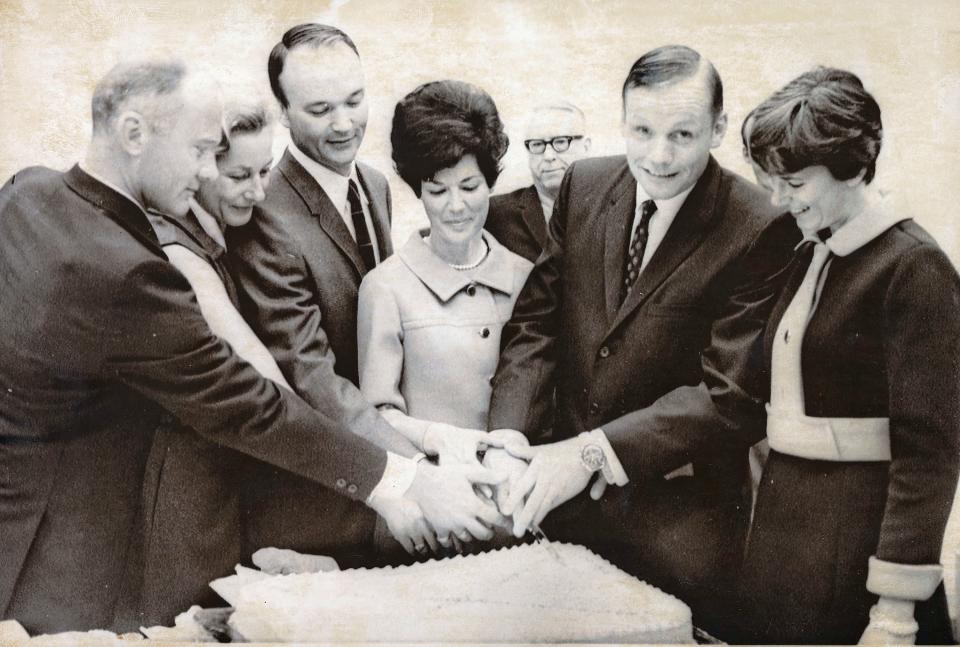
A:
{"points": [[541, 538]]}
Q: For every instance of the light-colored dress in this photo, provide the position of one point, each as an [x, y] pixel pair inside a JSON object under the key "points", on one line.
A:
{"points": [[429, 335]]}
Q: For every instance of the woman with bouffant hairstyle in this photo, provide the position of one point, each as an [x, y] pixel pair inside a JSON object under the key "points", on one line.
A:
{"points": [[863, 355], [430, 316]]}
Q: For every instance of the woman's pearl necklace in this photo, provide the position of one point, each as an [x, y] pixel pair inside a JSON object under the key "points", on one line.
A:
{"points": [[470, 266]]}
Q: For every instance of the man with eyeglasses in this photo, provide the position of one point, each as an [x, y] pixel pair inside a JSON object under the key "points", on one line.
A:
{"points": [[555, 138]]}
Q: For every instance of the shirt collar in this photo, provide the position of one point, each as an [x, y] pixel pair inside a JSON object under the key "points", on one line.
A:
{"points": [[863, 228], [496, 271], [332, 183], [101, 180], [208, 223], [666, 209]]}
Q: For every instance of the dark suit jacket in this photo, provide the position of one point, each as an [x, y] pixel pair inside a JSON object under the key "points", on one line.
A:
{"points": [[101, 342], [609, 363], [298, 271], [516, 220]]}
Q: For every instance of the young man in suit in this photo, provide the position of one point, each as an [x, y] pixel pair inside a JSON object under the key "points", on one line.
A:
{"points": [[102, 342], [555, 138], [624, 317], [324, 223]]}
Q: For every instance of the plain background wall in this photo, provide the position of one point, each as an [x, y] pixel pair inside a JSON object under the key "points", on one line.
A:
{"points": [[908, 54]]}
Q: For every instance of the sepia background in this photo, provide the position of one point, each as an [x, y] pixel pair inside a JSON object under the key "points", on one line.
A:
{"points": [[906, 52]]}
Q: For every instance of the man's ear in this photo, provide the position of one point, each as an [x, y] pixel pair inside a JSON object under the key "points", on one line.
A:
{"points": [[586, 144], [132, 131], [284, 118], [719, 130]]}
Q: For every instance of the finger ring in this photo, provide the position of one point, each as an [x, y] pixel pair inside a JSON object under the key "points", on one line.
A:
{"points": [[444, 541], [419, 548], [464, 536]]}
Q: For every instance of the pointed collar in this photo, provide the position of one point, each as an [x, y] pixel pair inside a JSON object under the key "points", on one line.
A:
{"points": [[863, 228], [208, 223], [335, 185], [496, 271], [122, 208]]}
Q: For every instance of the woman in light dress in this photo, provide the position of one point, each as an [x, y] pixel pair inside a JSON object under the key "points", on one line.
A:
{"points": [[430, 316]]}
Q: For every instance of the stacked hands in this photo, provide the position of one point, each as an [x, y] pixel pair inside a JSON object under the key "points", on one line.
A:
{"points": [[461, 499]]}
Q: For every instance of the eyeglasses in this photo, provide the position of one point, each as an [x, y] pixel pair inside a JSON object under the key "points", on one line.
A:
{"points": [[559, 144]]}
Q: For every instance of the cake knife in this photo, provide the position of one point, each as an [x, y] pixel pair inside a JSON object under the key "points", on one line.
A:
{"points": [[541, 538]]}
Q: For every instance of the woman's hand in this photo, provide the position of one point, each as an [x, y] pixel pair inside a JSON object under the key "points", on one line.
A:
{"points": [[891, 623], [504, 464], [456, 444]]}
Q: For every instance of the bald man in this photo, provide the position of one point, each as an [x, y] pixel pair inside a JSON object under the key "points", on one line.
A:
{"points": [[555, 137]]}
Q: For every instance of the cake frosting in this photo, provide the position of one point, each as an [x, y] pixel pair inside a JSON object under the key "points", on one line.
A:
{"points": [[531, 593]]}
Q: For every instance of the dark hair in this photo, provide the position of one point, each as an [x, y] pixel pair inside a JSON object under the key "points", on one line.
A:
{"points": [[438, 124], [313, 34], [823, 117], [672, 63], [136, 86]]}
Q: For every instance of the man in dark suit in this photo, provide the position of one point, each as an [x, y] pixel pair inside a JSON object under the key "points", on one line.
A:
{"points": [[324, 223], [630, 310], [102, 341], [555, 138]]}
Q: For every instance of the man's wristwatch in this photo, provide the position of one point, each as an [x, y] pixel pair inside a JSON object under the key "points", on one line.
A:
{"points": [[592, 458]]}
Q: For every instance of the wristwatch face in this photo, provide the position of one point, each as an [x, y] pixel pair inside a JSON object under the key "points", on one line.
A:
{"points": [[592, 457]]}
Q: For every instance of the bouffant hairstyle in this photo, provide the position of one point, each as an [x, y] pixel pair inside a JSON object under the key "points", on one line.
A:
{"points": [[669, 64], [310, 34], [823, 117], [438, 124]]}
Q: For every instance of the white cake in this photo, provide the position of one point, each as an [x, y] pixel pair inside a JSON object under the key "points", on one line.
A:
{"points": [[532, 593]]}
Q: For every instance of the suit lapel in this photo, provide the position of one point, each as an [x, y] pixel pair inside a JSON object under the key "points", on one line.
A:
{"points": [[322, 208], [531, 212], [686, 232], [379, 214], [618, 217]]}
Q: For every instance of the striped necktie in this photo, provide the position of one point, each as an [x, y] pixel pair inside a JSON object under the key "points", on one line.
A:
{"points": [[363, 237]]}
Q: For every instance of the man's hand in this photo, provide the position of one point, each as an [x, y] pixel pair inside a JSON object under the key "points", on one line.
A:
{"points": [[448, 501], [505, 464], [408, 525], [452, 445], [555, 475]]}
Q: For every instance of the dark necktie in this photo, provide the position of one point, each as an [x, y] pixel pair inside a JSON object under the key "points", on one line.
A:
{"points": [[639, 243], [360, 227]]}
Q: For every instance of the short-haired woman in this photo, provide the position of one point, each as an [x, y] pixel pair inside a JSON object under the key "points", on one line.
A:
{"points": [[863, 353], [430, 316], [191, 493]]}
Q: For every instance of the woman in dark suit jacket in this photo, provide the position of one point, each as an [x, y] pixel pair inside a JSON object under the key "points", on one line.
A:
{"points": [[863, 353]]}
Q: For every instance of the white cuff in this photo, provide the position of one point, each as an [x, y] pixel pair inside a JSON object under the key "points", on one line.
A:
{"points": [[903, 581], [612, 470], [397, 477]]}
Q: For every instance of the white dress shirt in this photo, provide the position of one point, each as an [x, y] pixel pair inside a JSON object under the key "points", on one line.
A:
{"points": [[659, 223], [336, 187]]}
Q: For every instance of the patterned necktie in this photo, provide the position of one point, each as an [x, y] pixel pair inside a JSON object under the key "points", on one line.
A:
{"points": [[360, 227], [639, 243]]}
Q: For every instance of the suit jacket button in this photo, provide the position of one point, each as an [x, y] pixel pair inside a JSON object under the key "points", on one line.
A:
{"points": [[594, 408], [472, 289], [604, 352], [352, 489], [341, 483], [485, 333]]}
